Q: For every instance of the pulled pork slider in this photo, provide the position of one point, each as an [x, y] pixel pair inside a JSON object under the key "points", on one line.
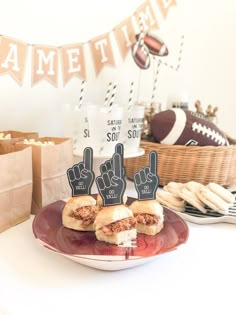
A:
{"points": [[115, 225], [149, 216], [79, 213]]}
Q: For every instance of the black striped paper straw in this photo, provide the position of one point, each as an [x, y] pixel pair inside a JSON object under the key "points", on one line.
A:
{"points": [[108, 93], [81, 94], [141, 34], [155, 78], [112, 96], [130, 96], [180, 53], [176, 68], [109, 110]]}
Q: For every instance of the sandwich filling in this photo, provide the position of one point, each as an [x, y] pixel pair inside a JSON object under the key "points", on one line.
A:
{"points": [[119, 226], [147, 219], [87, 214]]}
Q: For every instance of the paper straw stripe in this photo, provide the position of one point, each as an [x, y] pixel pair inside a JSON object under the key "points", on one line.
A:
{"points": [[113, 95], [176, 68], [180, 53], [155, 79], [130, 95], [107, 94], [109, 110], [81, 94]]}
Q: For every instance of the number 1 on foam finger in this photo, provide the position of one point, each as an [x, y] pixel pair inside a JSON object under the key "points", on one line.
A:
{"points": [[88, 159], [153, 162], [117, 164]]}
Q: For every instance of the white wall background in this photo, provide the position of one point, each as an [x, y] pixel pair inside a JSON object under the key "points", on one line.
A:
{"points": [[207, 68]]}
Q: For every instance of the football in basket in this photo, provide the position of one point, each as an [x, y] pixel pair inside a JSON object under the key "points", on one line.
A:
{"points": [[177, 126]]}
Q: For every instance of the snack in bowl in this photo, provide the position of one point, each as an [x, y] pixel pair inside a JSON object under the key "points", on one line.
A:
{"points": [[115, 225], [79, 213], [38, 142], [5, 137], [149, 216], [183, 127]]}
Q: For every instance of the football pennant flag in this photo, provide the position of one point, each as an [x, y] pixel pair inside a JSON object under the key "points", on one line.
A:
{"points": [[125, 36], [45, 64], [165, 5], [73, 64], [13, 58], [146, 15], [101, 50]]}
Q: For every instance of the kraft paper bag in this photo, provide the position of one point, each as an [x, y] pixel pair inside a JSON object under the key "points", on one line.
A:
{"points": [[8, 144], [50, 164], [15, 187]]}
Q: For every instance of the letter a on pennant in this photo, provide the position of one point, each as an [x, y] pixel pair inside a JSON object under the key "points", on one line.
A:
{"points": [[45, 64], [101, 52], [13, 58]]}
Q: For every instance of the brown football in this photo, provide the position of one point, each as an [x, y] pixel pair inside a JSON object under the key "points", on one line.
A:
{"points": [[141, 55], [155, 45], [183, 127]]}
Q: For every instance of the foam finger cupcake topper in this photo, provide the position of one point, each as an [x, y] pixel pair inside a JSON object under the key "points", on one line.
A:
{"points": [[111, 183], [146, 179], [81, 175]]}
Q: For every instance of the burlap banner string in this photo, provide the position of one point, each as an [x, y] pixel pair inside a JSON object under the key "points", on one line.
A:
{"points": [[45, 59]]}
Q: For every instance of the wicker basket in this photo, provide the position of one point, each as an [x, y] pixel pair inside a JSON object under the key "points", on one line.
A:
{"points": [[185, 163]]}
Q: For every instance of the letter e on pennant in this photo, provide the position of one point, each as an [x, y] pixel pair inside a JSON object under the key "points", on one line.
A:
{"points": [[73, 64]]}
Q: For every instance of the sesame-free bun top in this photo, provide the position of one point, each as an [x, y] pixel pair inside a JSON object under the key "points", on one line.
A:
{"points": [[146, 206], [111, 214], [78, 202]]}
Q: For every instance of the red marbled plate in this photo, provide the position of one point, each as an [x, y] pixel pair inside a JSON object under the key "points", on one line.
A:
{"points": [[84, 248]]}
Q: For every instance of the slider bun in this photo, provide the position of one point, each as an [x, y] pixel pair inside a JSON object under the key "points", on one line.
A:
{"points": [[111, 214], [117, 238], [100, 203], [192, 199], [221, 192], [167, 199], [173, 188], [193, 186], [150, 229], [73, 204], [212, 200], [146, 206]]}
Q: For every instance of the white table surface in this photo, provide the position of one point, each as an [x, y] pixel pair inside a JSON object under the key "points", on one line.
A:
{"points": [[198, 278]]}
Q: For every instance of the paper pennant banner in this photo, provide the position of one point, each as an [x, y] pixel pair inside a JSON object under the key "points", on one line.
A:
{"points": [[165, 5], [44, 64], [13, 58], [125, 36], [101, 50], [146, 13], [73, 64]]}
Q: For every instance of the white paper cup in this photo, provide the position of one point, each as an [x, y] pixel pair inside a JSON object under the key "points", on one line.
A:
{"points": [[132, 128], [76, 127], [105, 128]]}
